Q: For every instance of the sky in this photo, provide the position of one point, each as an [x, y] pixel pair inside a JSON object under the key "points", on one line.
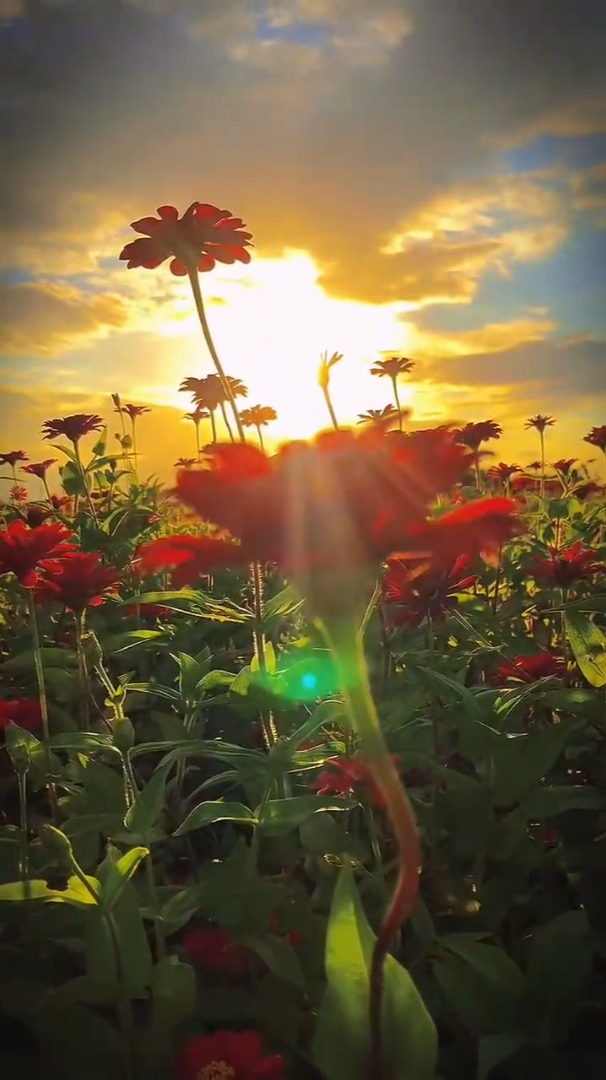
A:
{"points": [[422, 178]]}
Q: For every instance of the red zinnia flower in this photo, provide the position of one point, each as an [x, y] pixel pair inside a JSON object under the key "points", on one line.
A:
{"points": [[597, 437], [540, 422], [78, 582], [530, 668], [12, 458], [564, 566], [18, 493], [480, 527], [502, 471], [39, 468], [211, 948], [226, 1055], [202, 236], [428, 589], [524, 483], [189, 557], [22, 549], [73, 427], [350, 776], [473, 434], [133, 410], [24, 712], [564, 465]]}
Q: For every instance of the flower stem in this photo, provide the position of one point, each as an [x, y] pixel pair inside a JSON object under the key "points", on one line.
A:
{"points": [[270, 731], [542, 437], [333, 417], [33, 621], [345, 643], [397, 397], [89, 501], [82, 668], [197, 293], [24, 845]]}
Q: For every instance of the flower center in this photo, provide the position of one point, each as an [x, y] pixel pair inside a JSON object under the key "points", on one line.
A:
{"points": [[216, 1070]]}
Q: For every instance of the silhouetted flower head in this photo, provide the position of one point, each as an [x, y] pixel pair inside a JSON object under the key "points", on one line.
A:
{"points": [[415, 590], [472, 435], [564, 465], [226, 1055], [22, 550], [385, 416], [134, 410], [39, 468], [258, 415], [597, 437], [12, 458], [203, 236], [36, 514], [72, 427], [540, 422], [392, 368], [502, 471], [185, 462], [77, 582], [564, 566]]}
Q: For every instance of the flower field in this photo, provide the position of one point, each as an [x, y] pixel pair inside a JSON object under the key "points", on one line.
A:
{"points": [[303, 768]]}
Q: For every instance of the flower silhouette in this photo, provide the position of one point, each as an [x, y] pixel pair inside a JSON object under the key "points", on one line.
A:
{"points": [[22, 549], [597, 437], [203, 236], [39, 468], [72, 427], [473, 435], [564, 566]]}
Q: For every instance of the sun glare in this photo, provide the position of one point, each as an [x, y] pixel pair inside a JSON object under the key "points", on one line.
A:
{"points": [[272, 320]]}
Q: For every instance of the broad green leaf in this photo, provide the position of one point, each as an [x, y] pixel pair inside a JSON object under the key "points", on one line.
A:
{"points": [[279, 956], [143, 816], [282, 604], [547, 801], [23, 748], [214, 679], [207, 813], [493, 1049], [118, 643], [521, 761], [76, 1041], [269, 655], [341, 1044], [559, 962], [155, 689], [586, 603], [75, 893], [86, 741], [588, 644], [481, 985], [51, 657], [119, 873], [173, 991], [281, 815]]}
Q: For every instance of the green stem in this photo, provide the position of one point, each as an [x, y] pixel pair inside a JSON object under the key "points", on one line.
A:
{"points": [[478, 474], [89, 501], [135, 456], [24, 860], [397, 397], [542, 437], [226, 422], [82, 668], [213, 425], [497, 583], [270, 731], [335, 422], [197, 293], [52, 793], [345, 643]]}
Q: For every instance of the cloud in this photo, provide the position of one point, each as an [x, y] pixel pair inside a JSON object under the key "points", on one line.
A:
{"points": [[492, 338], [589, 189], [45, 318]]}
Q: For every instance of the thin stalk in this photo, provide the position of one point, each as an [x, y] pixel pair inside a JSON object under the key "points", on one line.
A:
{"points": [[82, 668], [197, 427], [478, 474], [226, 422], [335, 422], [197, 293], [397, 397], [270, 731], [345, 643], [48, 494], [542, 438], [89, 501], [135, 456], [33, 621], [213, 425], [260, 434], [497, 583], [24, 857]]}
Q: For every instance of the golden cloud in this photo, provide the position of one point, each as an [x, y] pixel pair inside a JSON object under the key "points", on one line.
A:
{"points": [[492, 338], [46, 318]]}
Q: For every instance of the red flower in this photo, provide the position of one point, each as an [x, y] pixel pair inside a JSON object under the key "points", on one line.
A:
{"points": [[202, 236], [564, 465], [73, 427], [18, 493], [78, 582], [12, 458], [564, 566], [39, 468], [585, 491], [502, 471], [133, 410], [24, 712], [530, 668], [213, 950], [540, 422], [350, 776], [523, 483], [37, 514], [22, 549], [226, 1055], [189, 557], [427, 589], [473, 434], [59, 502], [597, 437], [479, 527]]}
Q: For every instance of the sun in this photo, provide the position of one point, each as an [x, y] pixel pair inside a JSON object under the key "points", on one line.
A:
{"points": [[271, 321]]}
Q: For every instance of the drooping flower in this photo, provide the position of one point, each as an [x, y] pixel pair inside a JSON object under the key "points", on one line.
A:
{"points": [[24, 712], [424, 589], [22, 550], [133, 411], [202, 236], [564, 465], [564, 566], [39, 468], [36, 514], [189, 557], [72, 427], [349, 776], [597, 437], [530, 668], [588, 490], [472, 435], [226, 1055], [77, 582], [540, 422], [12, 458]]}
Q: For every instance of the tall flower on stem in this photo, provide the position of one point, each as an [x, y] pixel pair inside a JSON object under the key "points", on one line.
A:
{"points": [[392, 369], [473, 435], [327, 363], [258, 416], [74, 428], [503, 473], [597, 437], [327, 513], [197, 416], [540, 422], [40, 469], [12, 459], [195, 242], [379, 417], [133, 412]]}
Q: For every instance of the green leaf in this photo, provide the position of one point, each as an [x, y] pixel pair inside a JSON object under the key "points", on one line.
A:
{"points": [[173, 991], [281, 815], [51, 657], [341, 1044], [207, 813], [279, 606], [588, 644], [86, 741], [269, 655], [548, 801], [493, 1049], [481, 985], [559, 962], [129, 639], [521, 761], [143, 816], [279, 956], [119, 873], [37, 889], [24, 749]]}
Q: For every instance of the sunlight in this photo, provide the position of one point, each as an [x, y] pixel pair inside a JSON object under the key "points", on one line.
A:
{"points": [[272, 320]]}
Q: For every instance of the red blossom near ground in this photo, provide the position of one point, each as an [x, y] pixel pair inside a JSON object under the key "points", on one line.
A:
{"points": [[530, 668], [212, 949], [472, 435], [18, 493], [427, 589], [349, 776], [24, 712], [79, 581], [540, 422], [597, 437], [133, 411], [226, 1055], [524, 483], [480, 527], [72, 427], [59, 502], [189, 557], [564, 465], [502, 471], [565, 566], [39, 468], [12, 458], [22, 549], [202, 236]]}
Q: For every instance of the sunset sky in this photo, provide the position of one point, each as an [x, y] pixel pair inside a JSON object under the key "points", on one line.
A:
{"points": [[422, 177]]}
